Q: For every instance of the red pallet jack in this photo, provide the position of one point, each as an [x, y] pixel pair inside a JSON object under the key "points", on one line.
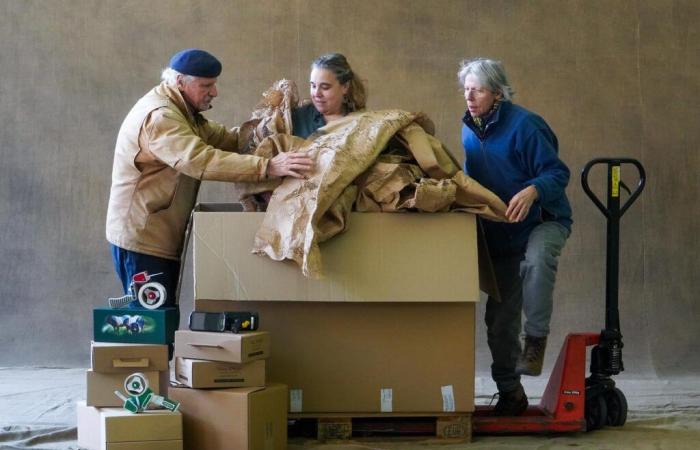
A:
{"points": [[572, 402]]}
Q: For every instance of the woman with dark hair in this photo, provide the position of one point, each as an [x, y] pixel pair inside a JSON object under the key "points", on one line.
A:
{"points": [[335, 92]]}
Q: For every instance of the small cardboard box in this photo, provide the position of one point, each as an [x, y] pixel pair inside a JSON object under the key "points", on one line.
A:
{"points": [[383, 257], [101, 387], [350, 357], [225, 347], [144, 326], [251, 418], [118, 429], [109, 357], [197, 373]]}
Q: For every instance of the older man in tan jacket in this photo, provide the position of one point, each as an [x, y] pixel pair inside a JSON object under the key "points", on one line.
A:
{"points": [[164, 148]]}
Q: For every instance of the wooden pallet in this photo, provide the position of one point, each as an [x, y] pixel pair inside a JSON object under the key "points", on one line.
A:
{"points": [[326, 427]]}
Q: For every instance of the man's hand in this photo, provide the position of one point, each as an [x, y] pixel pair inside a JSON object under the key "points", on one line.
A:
{"points": [[519, 205], [296, 165]]}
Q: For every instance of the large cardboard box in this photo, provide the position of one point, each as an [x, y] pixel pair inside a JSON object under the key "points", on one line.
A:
{"points": [[143, 326], [226, 347], [101, 387], [200, 374], [252, 418], [383, 257], [118, 429], [369, 357], [109, 357]]}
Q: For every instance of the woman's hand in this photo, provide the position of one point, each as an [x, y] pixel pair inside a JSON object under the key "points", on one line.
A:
{"points": [[295, 164], [519, 205]]}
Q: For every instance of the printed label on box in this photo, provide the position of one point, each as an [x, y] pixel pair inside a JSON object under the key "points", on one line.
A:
{"points": [[448, 398], [295, 400], [387, 395]]}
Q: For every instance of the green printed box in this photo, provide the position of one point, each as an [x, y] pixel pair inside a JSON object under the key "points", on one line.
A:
{"points": [[140, 326]]}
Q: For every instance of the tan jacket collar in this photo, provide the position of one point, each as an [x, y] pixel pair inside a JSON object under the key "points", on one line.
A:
{"points": [[178, 100]]}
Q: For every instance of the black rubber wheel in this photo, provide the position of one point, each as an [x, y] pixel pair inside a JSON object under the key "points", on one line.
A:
{"points": [[596, 412], [617, 407]]}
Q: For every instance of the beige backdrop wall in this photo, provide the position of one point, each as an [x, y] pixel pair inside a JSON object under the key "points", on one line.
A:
{"points": [[611, 78]]}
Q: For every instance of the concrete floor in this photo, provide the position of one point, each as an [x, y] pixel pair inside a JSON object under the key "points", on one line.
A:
{"points": [[37, 411]]}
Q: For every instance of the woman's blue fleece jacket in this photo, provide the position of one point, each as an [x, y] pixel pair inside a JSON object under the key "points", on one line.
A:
{"points": [[517, 149]]}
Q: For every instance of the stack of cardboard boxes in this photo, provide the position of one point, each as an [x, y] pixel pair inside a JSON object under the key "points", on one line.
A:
{"points": [[389, 330], [103, 423], [129, 342], [219, 383], [223, 396]]}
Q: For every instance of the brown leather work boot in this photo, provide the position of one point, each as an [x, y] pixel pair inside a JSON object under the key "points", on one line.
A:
{"points": [[512, 403], [531, 359]]}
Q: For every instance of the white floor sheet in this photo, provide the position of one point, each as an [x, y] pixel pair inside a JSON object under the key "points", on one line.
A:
{"points": [[37, 411]]}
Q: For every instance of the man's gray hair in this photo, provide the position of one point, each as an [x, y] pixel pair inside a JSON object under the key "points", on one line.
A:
{"points": [[490, 73], [170, 76]]}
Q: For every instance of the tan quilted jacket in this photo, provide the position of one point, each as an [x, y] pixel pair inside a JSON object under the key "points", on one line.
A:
{"points": [[162, 153]]}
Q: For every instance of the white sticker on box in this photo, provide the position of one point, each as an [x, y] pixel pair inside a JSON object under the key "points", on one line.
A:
{"points": [[448, 398], [295, 400], [387, 395]]}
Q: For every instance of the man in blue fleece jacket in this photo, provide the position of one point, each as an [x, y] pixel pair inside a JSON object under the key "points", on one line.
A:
{"points": [[514, 153]]}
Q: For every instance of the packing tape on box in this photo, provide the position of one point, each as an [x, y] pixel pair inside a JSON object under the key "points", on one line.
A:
{"points": [[387, 399], [295, 400], [448, 398]]}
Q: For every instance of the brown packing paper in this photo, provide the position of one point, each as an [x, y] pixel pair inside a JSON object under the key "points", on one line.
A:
{"points": [[432, 157], [381, 186], [303, 212], [432, 195], [474, 198], [345, 149]]}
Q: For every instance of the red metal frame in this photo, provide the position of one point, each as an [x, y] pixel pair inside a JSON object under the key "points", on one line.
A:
{"points": [[562, 407]]}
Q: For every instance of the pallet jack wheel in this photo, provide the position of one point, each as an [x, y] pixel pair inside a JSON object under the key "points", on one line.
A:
{"points": [[617, 407], [596, 412]]}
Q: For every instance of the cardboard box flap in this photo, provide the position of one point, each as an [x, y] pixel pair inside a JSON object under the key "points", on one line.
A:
{"points": [[383, 257], [119, 425], [120, 357]]}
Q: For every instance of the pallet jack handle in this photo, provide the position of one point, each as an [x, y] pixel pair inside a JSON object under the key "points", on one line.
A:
{"points": [[614, 183], [611, 337]]}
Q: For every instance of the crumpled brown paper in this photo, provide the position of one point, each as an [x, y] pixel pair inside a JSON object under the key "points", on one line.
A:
{"points": [[376, 160], [272, 116]]}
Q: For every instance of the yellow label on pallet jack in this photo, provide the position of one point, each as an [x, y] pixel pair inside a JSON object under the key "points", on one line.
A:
{"points": [[615, 180]]}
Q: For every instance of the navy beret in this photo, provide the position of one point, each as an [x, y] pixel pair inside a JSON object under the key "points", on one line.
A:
{"points": [[196, 62]]}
